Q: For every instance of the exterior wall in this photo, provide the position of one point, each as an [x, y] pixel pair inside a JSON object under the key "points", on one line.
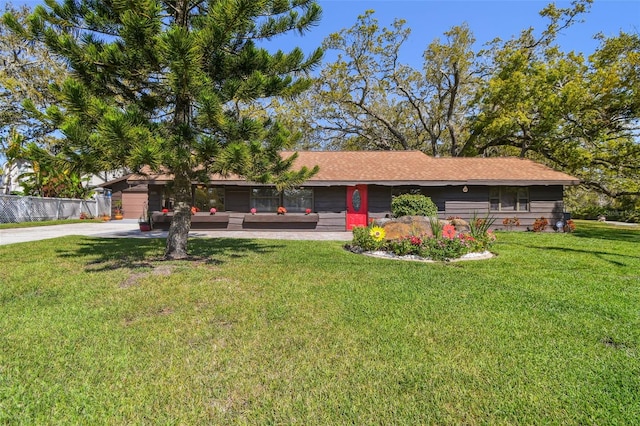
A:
{"points": [[330, 206], [155, 197], [133, 204], [465, 204], [544, 201], [330, 199], [237, 199], [238, 221]]}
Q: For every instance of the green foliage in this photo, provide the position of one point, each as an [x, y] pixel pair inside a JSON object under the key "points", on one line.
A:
{"points": [[172, 87], [480, 226], [540, 224], [51, 175], [363, 239], [518, 97], [622, 209], [436, 226], [444, 244], [28, 73], [444, 248], [413, 205]]}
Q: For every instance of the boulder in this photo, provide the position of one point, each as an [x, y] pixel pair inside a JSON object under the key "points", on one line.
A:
{"points": [[460, 224], [405, 226]]}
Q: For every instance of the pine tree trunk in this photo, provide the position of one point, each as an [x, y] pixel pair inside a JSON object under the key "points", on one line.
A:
{"points": [[178, 237], [176, 247]]}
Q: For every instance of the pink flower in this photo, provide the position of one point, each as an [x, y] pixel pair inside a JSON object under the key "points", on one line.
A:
{"points": [[253, 211], [213, 210], [416, 241], [449, 231], [307, 211]]}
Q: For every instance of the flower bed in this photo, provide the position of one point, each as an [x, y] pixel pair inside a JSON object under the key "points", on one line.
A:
{"points": [[443, 244]]}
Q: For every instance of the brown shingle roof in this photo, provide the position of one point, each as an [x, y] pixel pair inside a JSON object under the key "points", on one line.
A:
{"points": [[411, 168], [394, 167]]}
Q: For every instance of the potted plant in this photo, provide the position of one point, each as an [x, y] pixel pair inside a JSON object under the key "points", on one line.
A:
{"points": [[117, 210], [144, 222]]}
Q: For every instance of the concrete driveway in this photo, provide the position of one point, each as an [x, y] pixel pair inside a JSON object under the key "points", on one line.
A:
{"points": [[129, 229]]}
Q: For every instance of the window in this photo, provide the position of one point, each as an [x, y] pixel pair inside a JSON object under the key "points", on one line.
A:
{"points": [[298, 200], [265, 199], [295, 200], [209, 197], [509, 199]]}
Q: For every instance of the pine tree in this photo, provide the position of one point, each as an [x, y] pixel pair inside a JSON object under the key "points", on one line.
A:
{"points": [[168, 84]]}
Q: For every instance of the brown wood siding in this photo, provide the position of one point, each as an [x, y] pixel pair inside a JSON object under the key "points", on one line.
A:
{"points": [[466, 204], [379, 200], [437, 195], [330, 204], [544, 201], [155, 197], [236, 199], [133, 204], [331, 199], [332, 222]]}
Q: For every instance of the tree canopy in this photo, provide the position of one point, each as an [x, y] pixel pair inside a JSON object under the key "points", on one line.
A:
{"points": [[167, 84], [523, 96]]}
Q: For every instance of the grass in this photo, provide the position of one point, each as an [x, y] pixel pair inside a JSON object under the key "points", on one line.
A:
{"points": [[99, 331], [45, 223]]}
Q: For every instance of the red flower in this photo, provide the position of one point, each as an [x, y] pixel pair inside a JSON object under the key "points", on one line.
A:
{"points": [[165, 210], [416, 241], [307, 211], [449, 231]]}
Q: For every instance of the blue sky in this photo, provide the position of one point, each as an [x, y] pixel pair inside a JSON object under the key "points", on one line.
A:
{"points": [[429, 19]]}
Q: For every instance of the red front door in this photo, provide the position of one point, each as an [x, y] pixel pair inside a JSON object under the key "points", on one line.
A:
{"points": [[357, 206]]}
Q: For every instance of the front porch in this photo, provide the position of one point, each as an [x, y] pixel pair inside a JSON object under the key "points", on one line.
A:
{"points": [[238, 221]]}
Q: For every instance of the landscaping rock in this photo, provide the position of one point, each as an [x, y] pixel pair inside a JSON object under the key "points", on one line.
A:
{"points": [[460, 224], [406, 225]]}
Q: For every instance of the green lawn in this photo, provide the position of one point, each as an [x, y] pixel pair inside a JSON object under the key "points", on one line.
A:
{"points": [[97, 331], [45, 223]]}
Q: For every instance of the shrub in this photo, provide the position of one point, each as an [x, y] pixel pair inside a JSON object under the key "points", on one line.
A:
{"points": [[404, 246], [444, 248], [570, 226], [436, 226], [540, 224], [445, 243], [510, 222], [479, 226], [363, 238], [413, 205]]}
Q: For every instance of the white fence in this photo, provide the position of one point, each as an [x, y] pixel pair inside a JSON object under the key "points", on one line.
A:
{"points": [[31, 209]]}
